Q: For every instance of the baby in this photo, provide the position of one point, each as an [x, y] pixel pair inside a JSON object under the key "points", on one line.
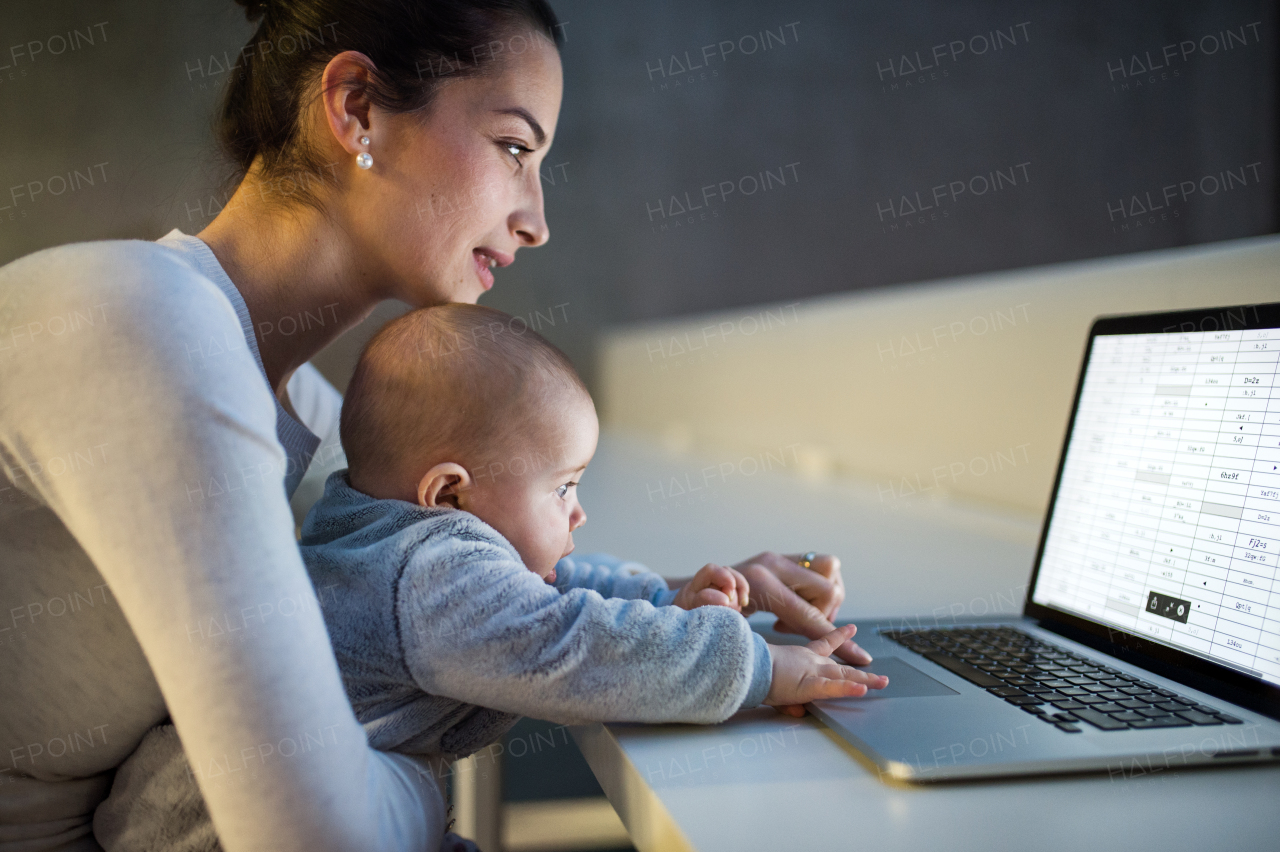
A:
{"points": [[458, 607], [442, 560]]}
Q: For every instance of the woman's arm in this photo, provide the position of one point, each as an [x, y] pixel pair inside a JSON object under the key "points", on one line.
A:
{"points": [[188, 523]]}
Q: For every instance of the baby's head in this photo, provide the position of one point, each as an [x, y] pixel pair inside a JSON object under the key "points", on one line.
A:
{"points": [[462, 406]]}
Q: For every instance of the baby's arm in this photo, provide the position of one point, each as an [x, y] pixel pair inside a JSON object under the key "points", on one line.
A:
{"points": [[491, 633], [714, 585], [480, 628], [612, 577]]}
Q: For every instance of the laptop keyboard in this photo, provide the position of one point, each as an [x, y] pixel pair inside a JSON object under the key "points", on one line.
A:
{"points": [[1053, 684]]}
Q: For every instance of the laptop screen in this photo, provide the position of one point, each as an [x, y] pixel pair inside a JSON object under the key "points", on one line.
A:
{"points": [[1166, 520]]}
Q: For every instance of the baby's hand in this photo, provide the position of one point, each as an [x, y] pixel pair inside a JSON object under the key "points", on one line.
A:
{"points": [[714, 585], [806, 673]]}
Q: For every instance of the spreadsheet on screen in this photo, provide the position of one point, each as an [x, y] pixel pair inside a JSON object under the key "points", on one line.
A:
{"points": [[1167, 517]]}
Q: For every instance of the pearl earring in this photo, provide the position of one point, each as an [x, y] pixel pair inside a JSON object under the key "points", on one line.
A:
{"points": [[363, 160]]}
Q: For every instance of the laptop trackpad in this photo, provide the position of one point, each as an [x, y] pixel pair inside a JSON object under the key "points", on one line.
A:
{"points": [[905, 681]]}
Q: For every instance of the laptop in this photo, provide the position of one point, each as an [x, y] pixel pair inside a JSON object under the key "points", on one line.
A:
{"points": [[1150, 635]]}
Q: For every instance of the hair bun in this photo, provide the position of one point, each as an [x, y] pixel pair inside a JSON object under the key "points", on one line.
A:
{"points": [[253, 9]]}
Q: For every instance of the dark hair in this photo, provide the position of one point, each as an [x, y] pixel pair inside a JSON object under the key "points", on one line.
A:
{"points": [[415, 45]]}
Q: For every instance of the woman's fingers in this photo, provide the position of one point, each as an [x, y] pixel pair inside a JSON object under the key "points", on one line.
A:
{"points": [[821, 584], [828, 566], [824, 563], [813, 586], [795, 614], [771, 593]]}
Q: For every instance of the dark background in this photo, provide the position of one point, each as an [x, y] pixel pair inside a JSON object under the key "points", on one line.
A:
{"points": [[816, 109]]}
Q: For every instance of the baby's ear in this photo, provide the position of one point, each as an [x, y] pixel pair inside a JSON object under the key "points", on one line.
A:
{"points": [[441, 485]]}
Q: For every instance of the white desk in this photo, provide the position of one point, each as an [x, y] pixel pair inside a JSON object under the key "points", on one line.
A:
{"points": [[764, 781]]}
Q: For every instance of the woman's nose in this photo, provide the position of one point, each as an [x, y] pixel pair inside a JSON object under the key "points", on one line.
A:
{"points": [[529, 221]]}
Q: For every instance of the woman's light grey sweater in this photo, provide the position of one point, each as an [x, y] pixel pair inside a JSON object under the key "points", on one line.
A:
{"points": [[148, 563]]}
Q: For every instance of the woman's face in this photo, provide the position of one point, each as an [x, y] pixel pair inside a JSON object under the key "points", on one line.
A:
{"points": [[454, 194]]}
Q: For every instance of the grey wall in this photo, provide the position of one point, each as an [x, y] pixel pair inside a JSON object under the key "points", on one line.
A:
{"points": [[814, 102]]}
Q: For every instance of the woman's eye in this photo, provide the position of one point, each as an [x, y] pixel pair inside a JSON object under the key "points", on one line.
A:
{"points": [[515, 150]]}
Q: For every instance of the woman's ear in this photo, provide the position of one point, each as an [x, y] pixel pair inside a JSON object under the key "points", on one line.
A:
{"points": [[344, 89], [441, 485]]}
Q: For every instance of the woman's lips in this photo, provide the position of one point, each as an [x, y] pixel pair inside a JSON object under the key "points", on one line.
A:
{"points": [[485, 260], [484, 268]]}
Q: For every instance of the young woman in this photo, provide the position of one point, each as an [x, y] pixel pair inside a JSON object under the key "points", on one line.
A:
{"points": [[155, 416]]}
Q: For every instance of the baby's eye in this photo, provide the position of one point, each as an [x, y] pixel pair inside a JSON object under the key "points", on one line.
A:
{"points": [[563, 490]]}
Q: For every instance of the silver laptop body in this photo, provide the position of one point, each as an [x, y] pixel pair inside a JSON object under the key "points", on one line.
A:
{"points": [[1150, 638]]}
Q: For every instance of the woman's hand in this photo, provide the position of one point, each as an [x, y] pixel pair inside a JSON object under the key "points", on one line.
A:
{"points": [[824, 591], [804, 599]]}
